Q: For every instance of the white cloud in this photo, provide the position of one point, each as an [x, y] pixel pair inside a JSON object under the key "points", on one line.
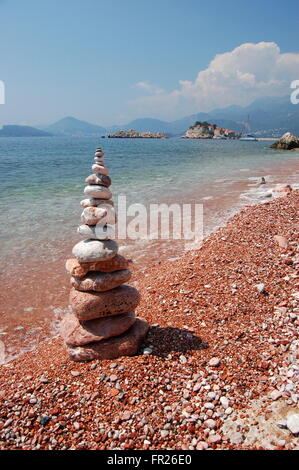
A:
{"points": [[240, 76], [152, 89]]}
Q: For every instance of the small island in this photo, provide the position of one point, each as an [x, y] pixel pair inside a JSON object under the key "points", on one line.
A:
{"points": [[287, 142], [205, 130], [133, 134]]}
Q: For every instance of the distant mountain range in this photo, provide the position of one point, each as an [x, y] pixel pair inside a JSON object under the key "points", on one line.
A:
{"points": [[72, 126], [267, 117], [22, 131]]}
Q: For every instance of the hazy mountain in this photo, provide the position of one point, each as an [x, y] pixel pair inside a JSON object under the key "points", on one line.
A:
{"points": [[22, 131], [71, 126], [178, 127], [267, 116]]}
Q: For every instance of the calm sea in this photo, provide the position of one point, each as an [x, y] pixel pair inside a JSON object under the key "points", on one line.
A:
{"points": [[42, 179]]}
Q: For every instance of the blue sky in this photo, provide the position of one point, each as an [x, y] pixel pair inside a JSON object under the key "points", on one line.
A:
{"points": [[112, 61]]}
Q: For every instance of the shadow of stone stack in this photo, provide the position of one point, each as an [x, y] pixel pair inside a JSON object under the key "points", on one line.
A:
{"points": [[101, 323]]}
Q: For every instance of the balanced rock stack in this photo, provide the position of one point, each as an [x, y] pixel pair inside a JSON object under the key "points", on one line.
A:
{"points": [[101, 323]]}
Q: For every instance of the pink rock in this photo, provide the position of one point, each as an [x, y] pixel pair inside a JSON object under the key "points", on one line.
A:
{"points": [[77, 333], [100, 281], [214, 439], [100, 169], [275, 395], [202, 445], [214, 362], [126, 344], [77, 269], [281, 241], [93, 215], [90, 305], [126, 416]]}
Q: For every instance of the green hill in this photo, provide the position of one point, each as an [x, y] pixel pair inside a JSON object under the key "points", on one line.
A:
{"points": [[22, 131], [72, 126]]}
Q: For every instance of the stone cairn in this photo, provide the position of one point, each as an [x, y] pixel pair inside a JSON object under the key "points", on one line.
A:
{"points": [[101, 323]]}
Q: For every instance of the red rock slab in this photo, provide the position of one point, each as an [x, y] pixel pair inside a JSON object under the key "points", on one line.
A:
{"points": [[91, 305], [77, 269], [76, 333], [100, 282], [126, 344]]}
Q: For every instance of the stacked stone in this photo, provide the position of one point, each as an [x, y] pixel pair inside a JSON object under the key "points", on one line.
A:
{"points": [[101, 323]]}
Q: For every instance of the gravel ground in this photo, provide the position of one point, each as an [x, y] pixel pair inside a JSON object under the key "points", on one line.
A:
{"points": [[219, 369]]}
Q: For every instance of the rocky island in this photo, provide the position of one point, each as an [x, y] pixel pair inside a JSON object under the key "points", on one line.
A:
{"points": [[133, 134], [205, 130], [287, 142]]}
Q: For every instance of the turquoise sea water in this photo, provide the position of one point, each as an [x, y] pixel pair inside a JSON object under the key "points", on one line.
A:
{"points": [[42, 179]]}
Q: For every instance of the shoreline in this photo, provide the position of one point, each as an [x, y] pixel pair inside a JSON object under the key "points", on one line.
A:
{"points": [[206, 305]]}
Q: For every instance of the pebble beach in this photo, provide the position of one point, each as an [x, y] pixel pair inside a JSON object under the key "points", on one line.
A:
{"points": [[218, 369]]}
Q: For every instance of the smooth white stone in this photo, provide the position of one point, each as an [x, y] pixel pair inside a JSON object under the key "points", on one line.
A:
{"points": [[99, 231], [95, 250], [99, 161], [97, 191], [293, 423]]}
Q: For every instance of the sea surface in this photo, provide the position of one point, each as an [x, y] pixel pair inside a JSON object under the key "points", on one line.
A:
{"points": [[41, 185]]}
